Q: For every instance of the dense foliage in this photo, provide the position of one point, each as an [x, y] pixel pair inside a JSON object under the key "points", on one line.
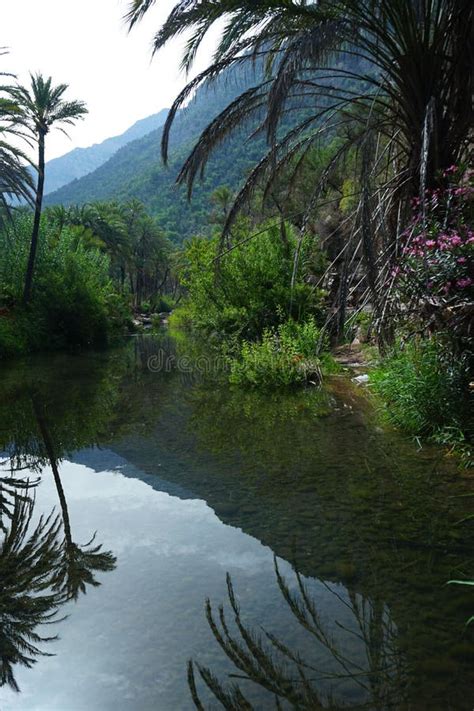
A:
{"points": [[139, 252], [387, 86], [73, 300], [434, 276], [95, 264], [286, 355], [249, 289], [246, 303], [427, 391]]}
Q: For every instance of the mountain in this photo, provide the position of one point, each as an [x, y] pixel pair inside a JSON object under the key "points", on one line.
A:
{"points": [[137, 171], [81, 161]]}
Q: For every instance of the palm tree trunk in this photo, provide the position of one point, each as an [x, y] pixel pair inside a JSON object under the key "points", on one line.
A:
{"points": [[36, 224]]}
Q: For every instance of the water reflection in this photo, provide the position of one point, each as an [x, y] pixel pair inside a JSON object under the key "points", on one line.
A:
{"points": [[30, 558], [186, 480], [361, 650], [41, 567], [79, 562]]}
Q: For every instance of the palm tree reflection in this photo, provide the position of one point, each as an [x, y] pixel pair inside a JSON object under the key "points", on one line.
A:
{"points": [[377, 676], [79, 562], [41, 567], [29, 564]]}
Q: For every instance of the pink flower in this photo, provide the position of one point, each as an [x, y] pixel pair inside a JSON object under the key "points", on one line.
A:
{"points": [[461, 260], [464, 283], [430, 243], [455, 241]]}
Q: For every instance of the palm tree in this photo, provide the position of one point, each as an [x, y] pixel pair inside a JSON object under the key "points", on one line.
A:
{"points": [[414, 56], [15, 178], [42, 106], [394, 76]]}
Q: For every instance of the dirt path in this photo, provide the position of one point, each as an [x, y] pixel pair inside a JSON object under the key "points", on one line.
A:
{"points": [[353, 356]]}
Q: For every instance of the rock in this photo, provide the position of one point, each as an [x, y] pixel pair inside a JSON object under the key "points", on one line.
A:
{"points": [[361, 379]]}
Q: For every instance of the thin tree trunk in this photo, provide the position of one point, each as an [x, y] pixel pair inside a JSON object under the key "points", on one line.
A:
{"points": [[36, 224]]}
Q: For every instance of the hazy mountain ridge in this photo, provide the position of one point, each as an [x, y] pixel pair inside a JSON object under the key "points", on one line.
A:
{"points": [[137, 171], [82, 161]]}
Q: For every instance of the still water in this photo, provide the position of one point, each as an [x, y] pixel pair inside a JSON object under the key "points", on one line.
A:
{"points": [[288, 546]]}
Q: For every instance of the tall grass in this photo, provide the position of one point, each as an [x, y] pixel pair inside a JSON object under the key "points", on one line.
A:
{"points": [[427, 391]]}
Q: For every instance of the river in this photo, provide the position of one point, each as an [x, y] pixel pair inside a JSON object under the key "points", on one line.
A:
{"points": [[137, 500]]}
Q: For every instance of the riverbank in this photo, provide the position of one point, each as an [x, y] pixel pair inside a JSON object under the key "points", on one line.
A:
{"points": [[411, 391]]}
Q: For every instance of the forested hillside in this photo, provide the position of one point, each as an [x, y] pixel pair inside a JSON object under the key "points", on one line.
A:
{"points": [[81, 161], [137, 171]]}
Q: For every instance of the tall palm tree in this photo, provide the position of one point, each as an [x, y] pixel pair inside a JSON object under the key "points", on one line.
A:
{"points": [[414, 57], [395, 76], [42, 106]]}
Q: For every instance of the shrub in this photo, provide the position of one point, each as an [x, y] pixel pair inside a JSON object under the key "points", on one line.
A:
{"points": [[435, 274], [427, 391], [249, 291], [286, 355]]}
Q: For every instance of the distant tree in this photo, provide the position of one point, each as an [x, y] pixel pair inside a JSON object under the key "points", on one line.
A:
{"points": [[42, 106], [221, 199]]}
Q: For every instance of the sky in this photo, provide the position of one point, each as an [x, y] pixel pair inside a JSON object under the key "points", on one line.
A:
{"points": [[85, 44]]}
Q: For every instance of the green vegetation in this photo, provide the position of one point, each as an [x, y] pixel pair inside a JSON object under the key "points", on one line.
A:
{"points": [[350, 202], [245, 302], [287, 355], [68, 278], [427, 383], [426, 390], [325, 149], [40, 108], [249, 289], [73, 297], [369, 167], [93, 266]]}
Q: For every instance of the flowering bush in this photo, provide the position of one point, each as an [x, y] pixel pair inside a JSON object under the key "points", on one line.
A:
{"points": [[438, 246]]}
